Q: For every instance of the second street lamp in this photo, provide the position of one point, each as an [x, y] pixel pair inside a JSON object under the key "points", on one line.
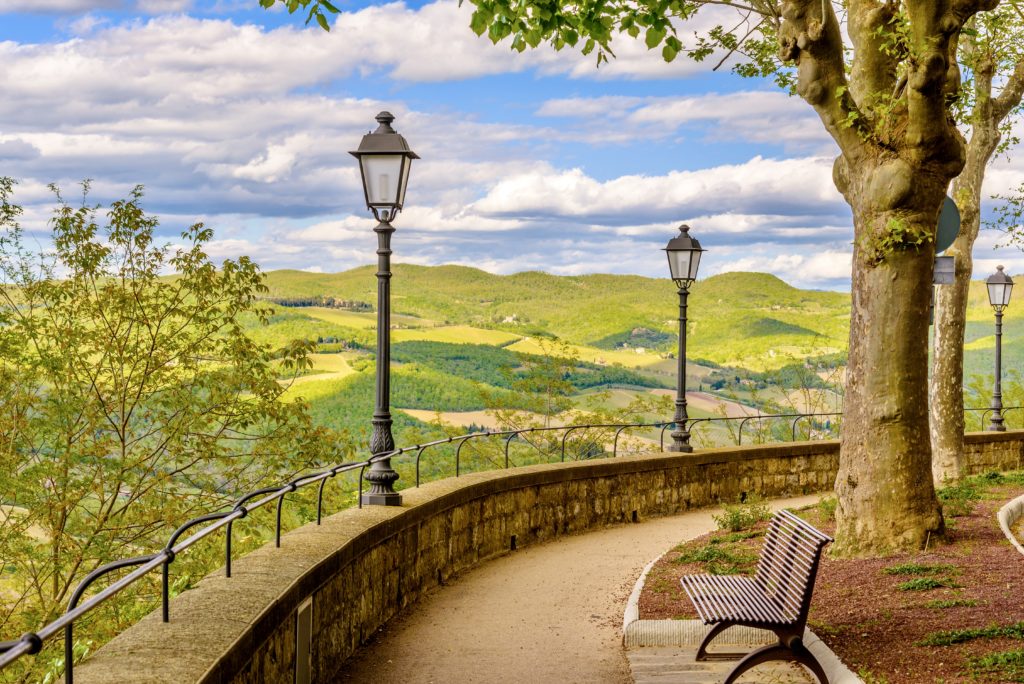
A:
{"points": [[384, 160], [683, 259], [1000, 286]]}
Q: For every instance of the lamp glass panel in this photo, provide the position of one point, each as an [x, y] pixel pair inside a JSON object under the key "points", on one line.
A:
{"points": [[995, 293], [381, 176], [679, 264], [1007, 289], [694, 263], [406, 164]]}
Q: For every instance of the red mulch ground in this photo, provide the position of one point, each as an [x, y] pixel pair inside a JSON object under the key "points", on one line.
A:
{"points": [[872, 625]]}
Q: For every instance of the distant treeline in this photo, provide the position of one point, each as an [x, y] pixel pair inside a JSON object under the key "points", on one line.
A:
{"points": [[500, 367], [328, 302]]}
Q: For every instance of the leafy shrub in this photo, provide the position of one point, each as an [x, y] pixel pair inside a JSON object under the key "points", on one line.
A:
{"points": [[742, 515]]}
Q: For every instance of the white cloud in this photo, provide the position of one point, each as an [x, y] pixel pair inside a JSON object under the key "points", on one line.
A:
{"points": [[793, 184]]}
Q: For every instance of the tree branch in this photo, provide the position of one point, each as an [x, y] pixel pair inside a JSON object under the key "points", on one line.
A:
{"points": [[810, 37]]}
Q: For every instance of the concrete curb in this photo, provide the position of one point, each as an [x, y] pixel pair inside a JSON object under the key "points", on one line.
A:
{"points": [[1008, 516], [637, 633]]}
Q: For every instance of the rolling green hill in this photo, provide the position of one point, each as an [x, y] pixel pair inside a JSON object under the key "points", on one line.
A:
{"points": [[743, 319]]}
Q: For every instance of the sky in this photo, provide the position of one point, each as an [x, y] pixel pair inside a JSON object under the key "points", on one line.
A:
{"points": [[242, 118]]}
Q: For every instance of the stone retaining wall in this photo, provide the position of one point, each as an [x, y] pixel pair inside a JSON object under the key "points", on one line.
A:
{"points": [[361, 567]]}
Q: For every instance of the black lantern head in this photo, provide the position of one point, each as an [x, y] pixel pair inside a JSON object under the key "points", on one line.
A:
{"points": [[384, 160], [683, 257], [1000, 286]]}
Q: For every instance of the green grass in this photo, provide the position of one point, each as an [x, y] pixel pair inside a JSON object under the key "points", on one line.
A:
{"points": [[720, 559], [1003, 666], [960, 636], [942, 604], [926, 584]]}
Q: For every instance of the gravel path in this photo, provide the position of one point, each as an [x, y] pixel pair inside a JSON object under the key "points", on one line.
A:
{"points": [[546, 613]]}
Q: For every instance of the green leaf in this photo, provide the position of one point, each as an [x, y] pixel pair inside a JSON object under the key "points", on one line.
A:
{"points": [[654, 36], [669, 53], [322, 20], [478, 23], [330, 7], [588, 47]]}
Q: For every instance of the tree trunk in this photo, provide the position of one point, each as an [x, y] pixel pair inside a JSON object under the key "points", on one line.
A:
{"points": [[946, 388], [886, 497]]}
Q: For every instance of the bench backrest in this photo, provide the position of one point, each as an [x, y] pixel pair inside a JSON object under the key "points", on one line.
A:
{"points": [[789, 562]]}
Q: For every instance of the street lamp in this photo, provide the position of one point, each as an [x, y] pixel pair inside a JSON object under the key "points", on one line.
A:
{"points": [[1000, 286], [384, 160], [683, 259]]}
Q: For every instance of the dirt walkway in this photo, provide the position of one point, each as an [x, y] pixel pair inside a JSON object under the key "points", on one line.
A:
{"points": [[547, 613]]}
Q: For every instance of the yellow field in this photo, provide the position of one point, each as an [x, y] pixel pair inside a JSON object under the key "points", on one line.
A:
{"points": [[354, 319], [988, 342], [454, 334], [529, 345]]}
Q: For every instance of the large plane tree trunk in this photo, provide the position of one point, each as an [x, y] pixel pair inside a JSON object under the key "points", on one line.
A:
{"points": [[899, 151], [884, 486]]}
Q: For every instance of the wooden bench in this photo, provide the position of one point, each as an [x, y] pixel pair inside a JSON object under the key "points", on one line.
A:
{"points": [[776, 598]]}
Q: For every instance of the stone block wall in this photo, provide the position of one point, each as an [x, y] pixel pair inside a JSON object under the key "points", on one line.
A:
{"points": [[362, 567]]}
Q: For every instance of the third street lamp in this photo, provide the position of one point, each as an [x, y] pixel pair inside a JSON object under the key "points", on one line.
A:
{"points": [[1000, 286], [683, 259], [384, 160]]}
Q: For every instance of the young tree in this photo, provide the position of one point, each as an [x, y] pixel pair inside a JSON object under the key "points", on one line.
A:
{"points": [[992, 58], [888, 97], [131, 400]]}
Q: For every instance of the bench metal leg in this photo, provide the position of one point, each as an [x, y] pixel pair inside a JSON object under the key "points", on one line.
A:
{"points": [[702, 651], [778, 651]]}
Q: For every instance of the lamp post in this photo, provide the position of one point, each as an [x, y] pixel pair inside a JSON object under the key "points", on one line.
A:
{"points": [[683, 259], [1000, 286], [384, 160]]}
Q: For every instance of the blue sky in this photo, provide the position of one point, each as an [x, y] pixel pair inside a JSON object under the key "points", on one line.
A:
{"points": [[242, 118]]}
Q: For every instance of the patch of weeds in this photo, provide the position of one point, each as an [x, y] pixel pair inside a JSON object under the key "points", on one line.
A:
{"points": [[734, 537], [827, 508], [1004, 666], [958, 499], [926, 583], [870, 678], [918, 569], [959, 636], [995, 478], [742, 515], [719, 560], [952, 603]]}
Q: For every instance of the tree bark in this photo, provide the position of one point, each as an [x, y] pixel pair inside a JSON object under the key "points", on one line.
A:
{"points": [[886, 497]]}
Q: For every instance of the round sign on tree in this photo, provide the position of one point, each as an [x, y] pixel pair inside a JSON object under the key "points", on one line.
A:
{"points": [[949, 225]]}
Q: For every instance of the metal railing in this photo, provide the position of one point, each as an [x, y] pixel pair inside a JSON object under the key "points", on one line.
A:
{"points": [[986, 411], [33, 642]]}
